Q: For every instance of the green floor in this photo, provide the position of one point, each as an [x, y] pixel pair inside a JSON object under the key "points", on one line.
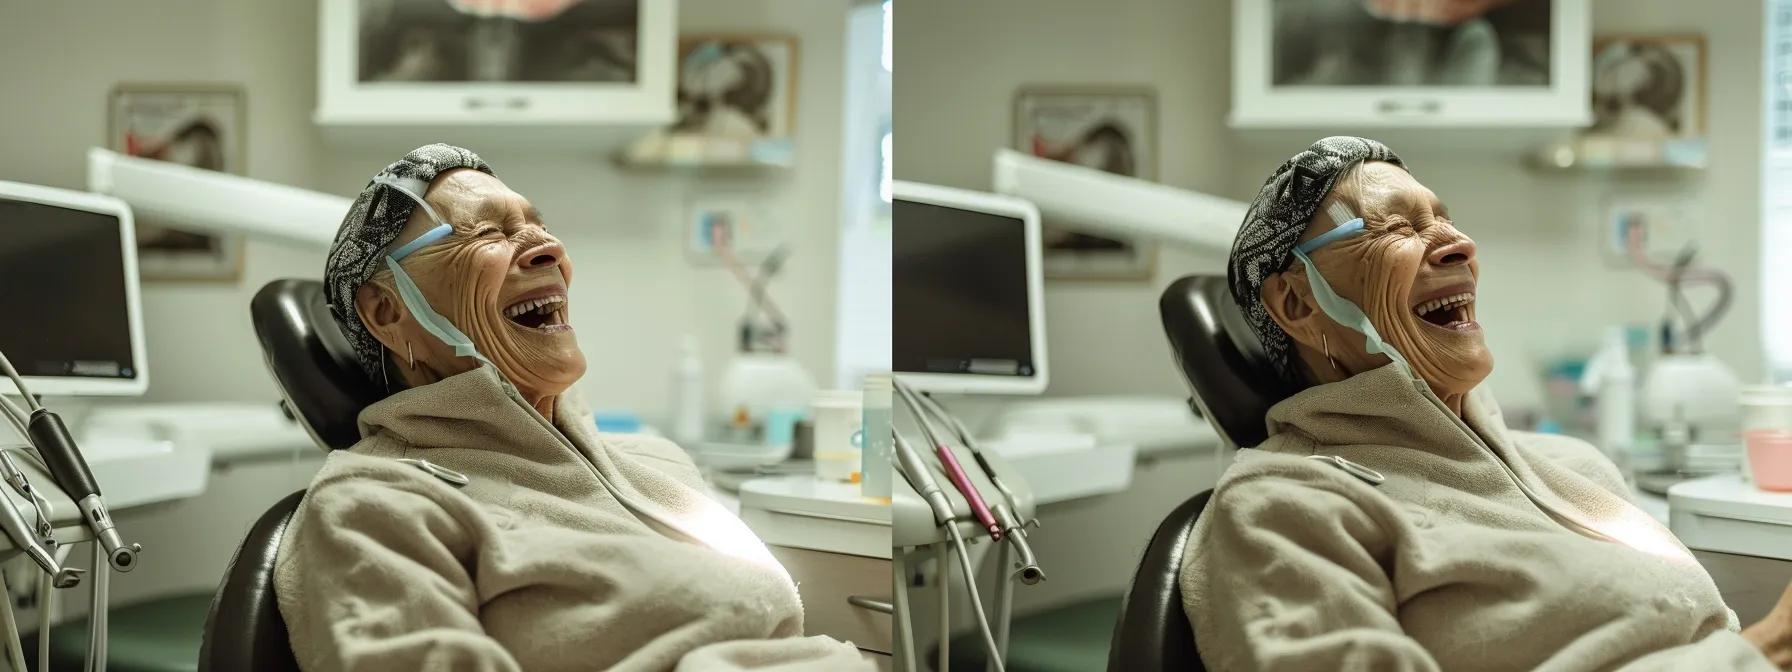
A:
{"points": [[160, 635], [1071, 638]]}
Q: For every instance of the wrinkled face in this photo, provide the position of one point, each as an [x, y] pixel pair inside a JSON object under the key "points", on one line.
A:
{"points": [[500, 277], [1412, 272]]}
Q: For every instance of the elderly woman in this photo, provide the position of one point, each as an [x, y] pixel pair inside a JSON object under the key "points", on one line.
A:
{"points": [[1426, 535], [482, 523]]}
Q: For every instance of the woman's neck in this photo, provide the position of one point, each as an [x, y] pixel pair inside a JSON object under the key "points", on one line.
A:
{"points": [[544, 406]]}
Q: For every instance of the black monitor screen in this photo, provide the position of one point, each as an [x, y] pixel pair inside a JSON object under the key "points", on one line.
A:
{"points": [[62, 292], [960, 297]]}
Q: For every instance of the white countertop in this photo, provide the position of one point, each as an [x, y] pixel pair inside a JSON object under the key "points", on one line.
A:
{"points": [[802, 511], [1727, 514]]}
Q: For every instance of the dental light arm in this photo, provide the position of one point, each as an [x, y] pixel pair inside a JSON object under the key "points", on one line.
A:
{"points": [[217, 202], [1093, 201]]}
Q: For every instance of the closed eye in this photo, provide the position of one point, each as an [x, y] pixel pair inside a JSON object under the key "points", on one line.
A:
{"points": [[487, 230]]}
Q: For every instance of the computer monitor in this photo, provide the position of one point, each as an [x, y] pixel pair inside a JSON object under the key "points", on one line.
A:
{"points": [[968, 301], [70, 321]]}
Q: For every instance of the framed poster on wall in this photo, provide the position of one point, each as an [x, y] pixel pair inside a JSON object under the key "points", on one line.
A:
{"points": [[1112, 129], [198, 125]]}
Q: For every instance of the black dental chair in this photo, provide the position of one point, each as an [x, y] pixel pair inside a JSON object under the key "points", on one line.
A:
{"points": [[1229, 377], [324, 391]]}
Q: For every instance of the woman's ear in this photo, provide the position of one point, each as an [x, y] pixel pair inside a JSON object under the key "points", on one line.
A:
{"points": [[1290, 303], [379, 309]]}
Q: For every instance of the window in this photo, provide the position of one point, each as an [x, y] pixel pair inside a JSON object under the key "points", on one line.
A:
{"points": [[1776, 190], [862, 343]]}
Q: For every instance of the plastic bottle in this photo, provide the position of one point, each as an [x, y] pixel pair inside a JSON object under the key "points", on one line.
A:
{"points": [[1612, 379], [687, 395], [878, 448]]}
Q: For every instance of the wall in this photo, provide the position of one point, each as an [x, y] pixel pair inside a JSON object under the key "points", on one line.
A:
{"points": [[1544, 292], [636, 294]]}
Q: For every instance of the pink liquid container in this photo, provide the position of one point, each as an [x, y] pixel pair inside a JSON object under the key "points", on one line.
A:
{"points": [[1767, 435]]}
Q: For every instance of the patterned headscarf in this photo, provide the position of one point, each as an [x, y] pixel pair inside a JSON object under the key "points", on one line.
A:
{"points": [[373, 223], [1274, 224]]}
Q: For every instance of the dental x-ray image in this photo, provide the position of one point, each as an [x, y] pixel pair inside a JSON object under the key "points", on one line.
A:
{"points": [[498, 40], [1394, 43]]}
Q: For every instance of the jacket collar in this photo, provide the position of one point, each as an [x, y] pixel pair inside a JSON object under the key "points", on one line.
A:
{"points": [[1386, 407], [475, 410]]}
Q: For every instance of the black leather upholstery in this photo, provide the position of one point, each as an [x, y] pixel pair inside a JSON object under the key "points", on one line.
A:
{"points": [[1233, 386], [1153, 632], [244, 630], [1220, 357], [311, 360]]}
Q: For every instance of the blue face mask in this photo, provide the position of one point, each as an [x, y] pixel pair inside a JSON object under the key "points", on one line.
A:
{"points": [[1338, 308], [432, 321]]}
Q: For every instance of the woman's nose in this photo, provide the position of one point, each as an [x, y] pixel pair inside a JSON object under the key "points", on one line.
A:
{"points": [[546, 254], [1453, 252]]}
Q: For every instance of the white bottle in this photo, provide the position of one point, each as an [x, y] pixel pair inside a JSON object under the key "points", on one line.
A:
{"points": [[1612, 379], [687, 396]]}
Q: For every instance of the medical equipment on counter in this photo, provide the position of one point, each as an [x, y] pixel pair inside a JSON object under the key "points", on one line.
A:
{"points": [[837, 417], [1767, 436], [763, 391], [1689, 398], [968, 287], [757, 386], [877, 436]]}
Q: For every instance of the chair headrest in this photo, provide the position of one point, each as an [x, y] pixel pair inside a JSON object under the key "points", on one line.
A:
{"points": [[312, 361], [1225, 366]]}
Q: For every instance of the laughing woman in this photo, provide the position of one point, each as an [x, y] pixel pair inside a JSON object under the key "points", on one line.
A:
{"points": [[1428, 536], [482, 523]]}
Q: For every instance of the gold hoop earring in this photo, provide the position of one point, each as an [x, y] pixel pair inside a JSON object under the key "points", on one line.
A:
{"points": [[413, 358], [1325, 343]]}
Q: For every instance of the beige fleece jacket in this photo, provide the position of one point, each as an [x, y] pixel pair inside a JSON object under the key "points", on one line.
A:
{"points": [[535, 564], [1298, 565]]}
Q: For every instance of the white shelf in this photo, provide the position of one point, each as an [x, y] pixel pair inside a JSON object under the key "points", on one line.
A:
{"points": [[690, 151]]}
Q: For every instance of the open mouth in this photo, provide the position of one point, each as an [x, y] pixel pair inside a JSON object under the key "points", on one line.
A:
{"points": [[1450, 312], [547, 313]]}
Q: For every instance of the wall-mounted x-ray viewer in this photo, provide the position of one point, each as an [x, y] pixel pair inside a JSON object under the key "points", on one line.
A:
{"points": [[68, 283], [968, 299]]}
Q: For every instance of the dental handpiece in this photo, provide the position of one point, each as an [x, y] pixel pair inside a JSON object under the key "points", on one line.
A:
{"points": [[970, 443], [955, 473], [925, 486], [1026, 565], [22, 537], [70, 471], [948, 461]]}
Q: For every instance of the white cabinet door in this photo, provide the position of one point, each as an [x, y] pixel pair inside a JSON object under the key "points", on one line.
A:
{"points": [[461, 63]]}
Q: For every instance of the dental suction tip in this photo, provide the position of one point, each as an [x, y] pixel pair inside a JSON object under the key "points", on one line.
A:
{"points": [[124, 558], [1031, 574], [67, 578]]}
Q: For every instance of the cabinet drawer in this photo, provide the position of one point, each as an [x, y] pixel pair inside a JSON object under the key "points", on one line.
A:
{"points": [[827, 580]]}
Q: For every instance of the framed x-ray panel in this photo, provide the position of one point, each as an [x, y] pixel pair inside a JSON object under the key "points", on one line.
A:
{"points": [[1406, 63]]}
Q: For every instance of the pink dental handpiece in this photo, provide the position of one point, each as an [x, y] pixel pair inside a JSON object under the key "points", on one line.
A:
{"points": [[956, 474]]}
